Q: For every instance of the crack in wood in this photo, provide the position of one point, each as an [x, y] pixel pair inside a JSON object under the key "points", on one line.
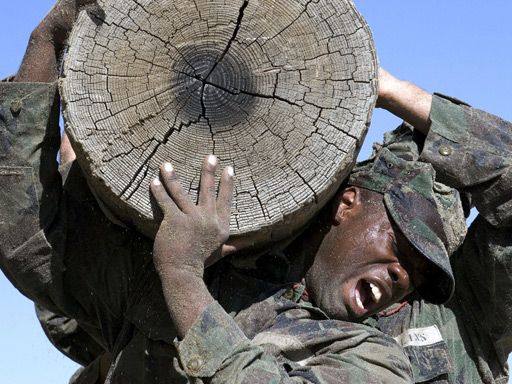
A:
{"points": [[148, 159], [233, 37], [146, 170], [265, 214], [127, 153], [198, 11], [254, 94], [290, 24], [203, 106], [306, 183]]}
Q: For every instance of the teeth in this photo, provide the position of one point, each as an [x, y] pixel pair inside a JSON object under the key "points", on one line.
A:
{"points": [[358, 301], [376, 293]]}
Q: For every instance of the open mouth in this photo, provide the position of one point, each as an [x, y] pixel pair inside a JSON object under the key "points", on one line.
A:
{"points": [[368, 297]]}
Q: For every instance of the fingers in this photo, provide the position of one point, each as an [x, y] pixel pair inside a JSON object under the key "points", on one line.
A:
{"points": [[175, 189], [225, 196], [170, 194], [207, 185], [161, 196], [236, 244]]}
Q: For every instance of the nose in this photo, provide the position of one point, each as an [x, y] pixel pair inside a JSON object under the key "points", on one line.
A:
{"points": [[401, 281]]}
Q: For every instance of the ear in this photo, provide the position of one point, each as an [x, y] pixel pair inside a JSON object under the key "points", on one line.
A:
{"points": [[345, 203]]}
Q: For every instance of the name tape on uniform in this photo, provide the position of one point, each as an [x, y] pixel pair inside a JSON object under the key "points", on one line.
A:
{"points": [[418, 337]]}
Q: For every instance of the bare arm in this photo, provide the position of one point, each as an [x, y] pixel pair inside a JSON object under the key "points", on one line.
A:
{"points": [[40, 63], [405, 100], [189, 237]]}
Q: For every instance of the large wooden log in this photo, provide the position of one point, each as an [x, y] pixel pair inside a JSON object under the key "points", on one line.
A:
{"points": [[282, 90]]}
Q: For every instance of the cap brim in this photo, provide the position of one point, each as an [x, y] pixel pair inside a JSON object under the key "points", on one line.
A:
{"points": [[439, 284]]}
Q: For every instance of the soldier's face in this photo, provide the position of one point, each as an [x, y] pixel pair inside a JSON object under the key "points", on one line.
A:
{"points": [[363, 263]]}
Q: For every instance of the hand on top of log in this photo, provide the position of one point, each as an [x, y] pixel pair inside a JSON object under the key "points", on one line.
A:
{"points": [[190, 236], [405, 100], [41, 61]]}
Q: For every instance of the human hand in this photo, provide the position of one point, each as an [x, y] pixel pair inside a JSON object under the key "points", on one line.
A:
{"points": [[40, 63], [191, 236]]}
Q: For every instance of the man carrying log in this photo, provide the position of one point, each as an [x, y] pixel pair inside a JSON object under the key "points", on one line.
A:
{"points": [[60, 250], [389, 231]]}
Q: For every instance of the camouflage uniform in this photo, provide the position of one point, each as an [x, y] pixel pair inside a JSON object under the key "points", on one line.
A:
{"points": [[285, 339], [97, 290], [468, 339]]}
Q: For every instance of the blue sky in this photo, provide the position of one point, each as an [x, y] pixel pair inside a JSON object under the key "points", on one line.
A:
{"points": [[457, 47]]}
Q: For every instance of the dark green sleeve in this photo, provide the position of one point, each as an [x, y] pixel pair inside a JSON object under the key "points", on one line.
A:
{"points": [[56, 245], [472, 150], [68, 337], [30, 185], [29, 141], [216, 348]]}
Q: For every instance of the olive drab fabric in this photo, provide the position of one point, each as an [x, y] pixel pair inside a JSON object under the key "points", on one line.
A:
{"points": [[285, 339], [468, 339]]}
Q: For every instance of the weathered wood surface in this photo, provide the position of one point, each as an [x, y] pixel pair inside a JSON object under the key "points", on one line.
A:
{"points": [[282, 90]]}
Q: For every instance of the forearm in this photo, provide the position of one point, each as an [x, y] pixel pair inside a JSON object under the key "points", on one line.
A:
{"points": [[405, 100], [40, 63], [186, 297], [188, 236]]}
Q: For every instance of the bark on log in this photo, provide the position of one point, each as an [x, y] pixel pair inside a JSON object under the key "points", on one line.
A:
{"points": [[282, 90]]}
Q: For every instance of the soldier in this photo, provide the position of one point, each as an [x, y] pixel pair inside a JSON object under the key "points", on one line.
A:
{"points": [[59, 249], [393, 227], [468, 339]]}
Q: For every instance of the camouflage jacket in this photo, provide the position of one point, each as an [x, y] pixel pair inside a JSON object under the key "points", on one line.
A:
{"points": [[468, 339], [284, 339], [97, 290]]}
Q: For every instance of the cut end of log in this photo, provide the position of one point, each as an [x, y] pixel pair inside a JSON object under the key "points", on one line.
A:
{"points": [[282, 91]]}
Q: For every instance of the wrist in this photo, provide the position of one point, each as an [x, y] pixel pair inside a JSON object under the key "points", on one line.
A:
{"points": [[177, 260], [186, 297], [179, 285], [179, 274], [39, 64]]}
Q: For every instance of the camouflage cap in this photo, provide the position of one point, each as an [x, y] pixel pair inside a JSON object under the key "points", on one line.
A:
{"points": [[428, 213]]}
